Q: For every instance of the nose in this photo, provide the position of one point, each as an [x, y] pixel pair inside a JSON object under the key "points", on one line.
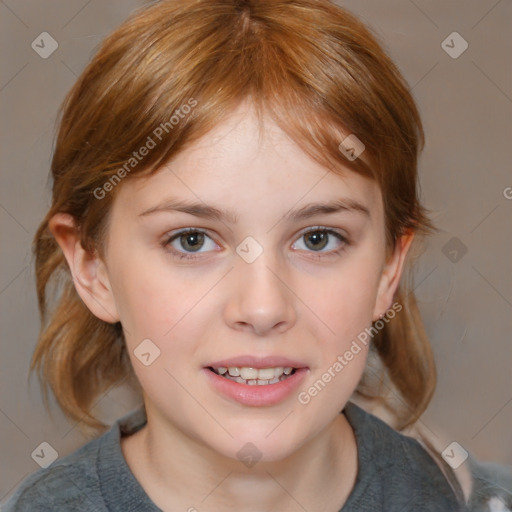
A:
{"points": [[260, 300]]}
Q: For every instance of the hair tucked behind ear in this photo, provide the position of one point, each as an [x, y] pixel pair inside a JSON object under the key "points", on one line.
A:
{"points": [[311, 66]]}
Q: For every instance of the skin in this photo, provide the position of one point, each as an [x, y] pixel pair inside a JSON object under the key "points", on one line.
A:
{"points": [[297, 300]]}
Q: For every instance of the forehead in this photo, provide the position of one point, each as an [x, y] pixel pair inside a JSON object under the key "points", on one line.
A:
{"points": [[249, 163]]}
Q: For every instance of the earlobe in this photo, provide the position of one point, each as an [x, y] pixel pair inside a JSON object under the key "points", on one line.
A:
{"points": [[88, 270], [391, 274]]}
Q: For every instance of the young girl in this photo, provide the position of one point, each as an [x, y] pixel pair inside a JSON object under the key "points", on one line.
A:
{"points": [[235, 213]]}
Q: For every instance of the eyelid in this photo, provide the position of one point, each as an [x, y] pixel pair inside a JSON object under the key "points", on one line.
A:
{"points": [[171, 234], [323, 228]]}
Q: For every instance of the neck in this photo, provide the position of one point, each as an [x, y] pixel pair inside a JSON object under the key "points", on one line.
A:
{"points": [[176, 471]]}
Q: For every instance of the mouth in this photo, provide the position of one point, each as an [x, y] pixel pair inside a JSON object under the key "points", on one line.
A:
{"points": [[254, 376], [256, 381]]}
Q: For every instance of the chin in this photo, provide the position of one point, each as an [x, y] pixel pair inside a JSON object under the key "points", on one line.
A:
{"points": [[268, 442]]}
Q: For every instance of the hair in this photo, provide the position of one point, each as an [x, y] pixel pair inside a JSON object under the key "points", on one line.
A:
{"points": [[311, 66]]}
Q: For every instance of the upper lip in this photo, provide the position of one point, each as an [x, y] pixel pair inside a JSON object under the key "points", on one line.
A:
{"points": [[247, 361]]}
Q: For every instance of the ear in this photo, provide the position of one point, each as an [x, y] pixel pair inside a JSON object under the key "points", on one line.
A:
{"points": [[88, 270], [391, 274]]}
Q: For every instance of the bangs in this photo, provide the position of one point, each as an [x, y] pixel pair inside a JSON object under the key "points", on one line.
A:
{"points": [[174, 70]]}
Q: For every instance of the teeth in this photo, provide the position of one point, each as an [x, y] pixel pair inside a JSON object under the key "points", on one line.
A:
{"points": [[255, 376], [265, 374], [249, 373], [279, 371]]}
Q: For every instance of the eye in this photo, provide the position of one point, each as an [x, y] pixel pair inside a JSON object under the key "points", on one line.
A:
{"points": [[319, 238], [186, 242]]}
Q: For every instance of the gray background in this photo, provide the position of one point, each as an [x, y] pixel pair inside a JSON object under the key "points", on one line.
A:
{"points": [[466, 104]]}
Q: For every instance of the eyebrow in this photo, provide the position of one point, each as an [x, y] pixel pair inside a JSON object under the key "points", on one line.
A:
{"points": [[210, 212]]}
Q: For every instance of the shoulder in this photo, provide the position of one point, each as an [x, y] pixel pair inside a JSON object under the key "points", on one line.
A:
{"points": [[70, 483], [387, 448], [90, 479], [395, 470]]}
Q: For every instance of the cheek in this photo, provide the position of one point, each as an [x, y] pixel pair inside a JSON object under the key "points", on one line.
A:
{"points": [[152, 309], [172, 308], [146, 303], [346, 302], [345, 308]]}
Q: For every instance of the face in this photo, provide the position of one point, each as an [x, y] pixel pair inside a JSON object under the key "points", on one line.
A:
{"points": [[244, 254]]}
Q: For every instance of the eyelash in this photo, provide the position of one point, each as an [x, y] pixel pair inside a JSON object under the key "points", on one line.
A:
{"points": [[316, 255]]}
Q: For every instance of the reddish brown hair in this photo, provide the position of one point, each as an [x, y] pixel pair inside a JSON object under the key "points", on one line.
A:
{"points": [[310, 65]]}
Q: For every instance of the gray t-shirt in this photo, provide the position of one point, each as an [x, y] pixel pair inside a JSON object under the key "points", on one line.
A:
{"points": [[395, 474]]}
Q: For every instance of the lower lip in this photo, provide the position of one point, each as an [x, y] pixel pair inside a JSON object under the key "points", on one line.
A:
{"points": [[257, 396]]}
